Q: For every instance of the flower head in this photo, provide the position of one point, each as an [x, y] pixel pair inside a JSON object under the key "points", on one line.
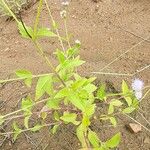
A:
{"points": [[137, 85], [77, 42], [65, 3], [63, 14]]}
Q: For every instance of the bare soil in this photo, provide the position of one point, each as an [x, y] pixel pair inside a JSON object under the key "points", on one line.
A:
{"points": [[106, 29]]}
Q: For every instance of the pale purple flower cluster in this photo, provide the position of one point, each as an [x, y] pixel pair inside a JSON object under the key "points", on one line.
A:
{"points": [[65, 3], [137, 86]]}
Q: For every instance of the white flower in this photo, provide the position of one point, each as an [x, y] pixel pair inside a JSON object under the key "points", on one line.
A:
{"points": [[138, 95], [66, 3], [77, 42], [63, 14], [137, 85]]}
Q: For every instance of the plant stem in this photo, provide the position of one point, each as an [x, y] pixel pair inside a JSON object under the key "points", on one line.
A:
{"points": [[37, 18], [40, 50], [66, 30], [17, 111], [8, 9], [22, 78], [53, 21], [45, 125]]}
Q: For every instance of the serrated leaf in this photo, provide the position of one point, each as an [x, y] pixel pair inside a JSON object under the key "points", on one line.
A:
{"points": [[53, 103], [62, 93], [36, 128], [23, 31], [114, 141], [128, 110], [128, 100], [85, 121], [26, 75], [116, 103], [56, 116], [113, 121], [101, 93], [89, 110], [90, 88], [72, 51], [70, 64], [23, 73], [26, 121], [125, 89], [70, 118], [60, 56], [80, 135], [79, 83], [75, 100], [17, 131], [44, 85], [45, 32], [54, 129], [27, 104], [93, 138]]}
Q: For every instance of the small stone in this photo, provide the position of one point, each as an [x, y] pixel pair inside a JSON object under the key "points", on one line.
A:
{"points": [[147, 140], [135, 128]]}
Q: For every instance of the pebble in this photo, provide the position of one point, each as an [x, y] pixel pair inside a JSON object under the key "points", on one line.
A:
{"points": [[133, 127]]}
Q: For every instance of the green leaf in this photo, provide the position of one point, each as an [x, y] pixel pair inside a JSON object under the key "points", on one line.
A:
{"points": [[125, 89], [25, 74], [54, 129], [80, 134], [114, 141], [116, 103], [93, 138], [128, 100], [26, 122], [44, 85], [62, 93], [45, 32], [27, 104], [79, 83], [36, 128], [75, 100], [90, 88], [70, 64], [128, 110], [60, 56], [56, 116], [72, 51], [17, 131], [90, 109], [101, 93], [53, 103], [23, 32], [110, 109], [1, 120], [85, 121], [70, 117], [113, 121]]}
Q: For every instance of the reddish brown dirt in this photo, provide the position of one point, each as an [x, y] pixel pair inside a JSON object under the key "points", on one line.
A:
{"points": [[106, 29]]}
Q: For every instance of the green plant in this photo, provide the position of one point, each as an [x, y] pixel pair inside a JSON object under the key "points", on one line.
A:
{"points": [[70, 98]]}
